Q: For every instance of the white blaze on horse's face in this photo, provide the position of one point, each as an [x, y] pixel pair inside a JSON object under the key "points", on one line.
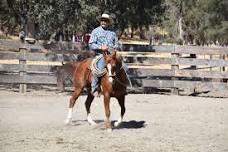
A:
{"points": [[110, 72]]}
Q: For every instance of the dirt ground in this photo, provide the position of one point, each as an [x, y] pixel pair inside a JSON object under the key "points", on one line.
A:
{"points": [[153, 123]]}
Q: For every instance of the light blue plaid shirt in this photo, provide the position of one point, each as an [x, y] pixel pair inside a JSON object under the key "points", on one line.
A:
{"points": [[100, 36]]}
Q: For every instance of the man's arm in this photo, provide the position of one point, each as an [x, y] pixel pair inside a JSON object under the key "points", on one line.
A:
{"points": [[93, 42], [116, 42]]}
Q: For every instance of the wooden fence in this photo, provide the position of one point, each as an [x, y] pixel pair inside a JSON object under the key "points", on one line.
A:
{"points": [[173, 67], [179, 67], [25, 67]]}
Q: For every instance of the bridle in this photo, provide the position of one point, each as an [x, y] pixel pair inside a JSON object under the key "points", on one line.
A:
{"points": [[115, 77]]}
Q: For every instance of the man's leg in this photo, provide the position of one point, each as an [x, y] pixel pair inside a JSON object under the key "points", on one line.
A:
{"points": [[96, 80], [94, 83], [101, 64]]}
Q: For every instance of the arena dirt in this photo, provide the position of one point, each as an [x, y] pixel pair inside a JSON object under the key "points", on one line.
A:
{"points": [[153, 123]]}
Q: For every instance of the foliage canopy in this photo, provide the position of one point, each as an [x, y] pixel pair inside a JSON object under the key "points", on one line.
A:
{"points": [[202, 21]]}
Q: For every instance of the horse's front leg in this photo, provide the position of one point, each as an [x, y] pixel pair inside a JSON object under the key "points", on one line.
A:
{"points": [[121, 101], [107, 111], [73, 99], [88, 102]]}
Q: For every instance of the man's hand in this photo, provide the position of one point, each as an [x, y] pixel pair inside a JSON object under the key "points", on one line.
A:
{"points": [[104, 48]]}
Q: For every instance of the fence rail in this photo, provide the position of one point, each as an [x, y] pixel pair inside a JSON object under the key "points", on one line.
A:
{"points": [[174, 67]]}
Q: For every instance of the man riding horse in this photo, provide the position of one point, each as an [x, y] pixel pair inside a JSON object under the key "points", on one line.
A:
{"points": [[103, 39], [112, 79]]}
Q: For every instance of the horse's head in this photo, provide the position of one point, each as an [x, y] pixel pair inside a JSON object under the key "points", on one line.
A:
{"points": [[113, 62]]}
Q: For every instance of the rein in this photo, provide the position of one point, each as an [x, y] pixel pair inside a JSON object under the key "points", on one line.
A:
{"points": [[115, 75]]}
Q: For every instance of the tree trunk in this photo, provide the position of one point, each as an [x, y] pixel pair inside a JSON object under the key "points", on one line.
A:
{"points": [[31, 28], [180, 29]]}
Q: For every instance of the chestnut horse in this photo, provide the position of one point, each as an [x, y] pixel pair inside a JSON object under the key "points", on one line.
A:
{"points": [[112, 84]]}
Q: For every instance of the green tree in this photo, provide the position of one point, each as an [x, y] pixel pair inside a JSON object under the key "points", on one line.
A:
{"points": [[8, 18], [134, 13], [52, 16], [217, 27], [202, 21]]}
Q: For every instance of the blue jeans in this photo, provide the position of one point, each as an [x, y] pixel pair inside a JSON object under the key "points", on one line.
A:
{"points": [[101, 64]]}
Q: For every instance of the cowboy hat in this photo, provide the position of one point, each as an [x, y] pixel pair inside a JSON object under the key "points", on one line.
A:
{"points": [[106, 17]]}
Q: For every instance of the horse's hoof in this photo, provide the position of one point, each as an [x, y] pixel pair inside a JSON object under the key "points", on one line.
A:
{"points": [[109, 130], [93, 123], [90, 120], [116, 124], [68, 121]]}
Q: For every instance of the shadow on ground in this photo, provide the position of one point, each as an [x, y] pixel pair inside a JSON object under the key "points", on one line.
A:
{"points": [[133, 124]]}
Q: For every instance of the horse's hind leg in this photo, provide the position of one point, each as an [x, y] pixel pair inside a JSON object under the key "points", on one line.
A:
{"points": [[73, 99], [121, 101], [88, 102]]}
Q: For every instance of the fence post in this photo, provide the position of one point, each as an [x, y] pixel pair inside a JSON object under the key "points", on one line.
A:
{"points": [[194, 57], [211, 58], [174, 67], [22, 72], [223, 68], [60, 79]]}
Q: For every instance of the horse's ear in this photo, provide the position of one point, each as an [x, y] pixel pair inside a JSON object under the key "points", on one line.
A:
{"points": [[114, 55]]}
